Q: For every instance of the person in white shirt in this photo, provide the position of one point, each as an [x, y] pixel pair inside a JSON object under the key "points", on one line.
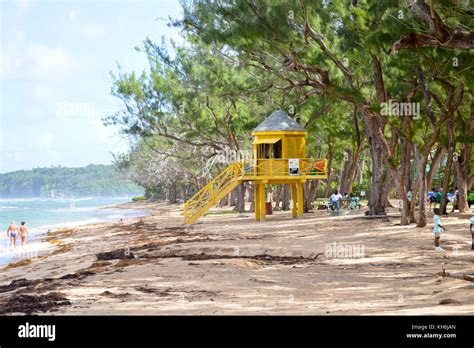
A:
{"points": [[334, 201], [437, 229]]}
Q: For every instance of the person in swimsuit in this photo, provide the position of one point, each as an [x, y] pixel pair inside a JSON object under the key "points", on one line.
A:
{"points": [[23, 233], [12, 232]]}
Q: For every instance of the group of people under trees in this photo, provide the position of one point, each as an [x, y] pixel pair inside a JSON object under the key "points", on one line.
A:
{"points": [[350, 200], [434, 197], [13, 232]]}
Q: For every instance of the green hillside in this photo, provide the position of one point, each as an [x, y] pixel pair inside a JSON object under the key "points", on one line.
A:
{"points": [[92, 180]]}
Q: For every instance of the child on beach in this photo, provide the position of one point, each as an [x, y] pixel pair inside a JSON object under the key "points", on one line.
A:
{"points": [[23, 233], [437, 228]]}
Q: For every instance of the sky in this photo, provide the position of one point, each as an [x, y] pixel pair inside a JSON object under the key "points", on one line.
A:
{"points": [[55, 64]]}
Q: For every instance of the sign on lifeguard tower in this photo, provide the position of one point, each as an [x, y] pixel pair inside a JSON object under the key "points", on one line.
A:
{"points": [[293, 166]]}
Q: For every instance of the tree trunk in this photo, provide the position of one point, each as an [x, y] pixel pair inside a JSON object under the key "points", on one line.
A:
{"points": [[172, 197], [462, 166], [422, 184], [434, 166], [447, 173], [345, 171], [449, 163], [309, 191], [285, 201], [233, 199], [182, 189], [405, 166], [240, 198], [380, 148], [388, 186], [330, 171], [376, 199], [277, 197], [248, 189], [251, 190], [462, 189], [361, 171], [351, 176]]}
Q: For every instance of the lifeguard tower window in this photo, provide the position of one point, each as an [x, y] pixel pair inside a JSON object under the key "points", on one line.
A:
{"points": [[263, 151], [270, 151], [277, 149]]}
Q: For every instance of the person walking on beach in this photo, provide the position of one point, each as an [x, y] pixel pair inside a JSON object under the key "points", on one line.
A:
{"points": [[12, 233], [23, 233], [437, 228]]}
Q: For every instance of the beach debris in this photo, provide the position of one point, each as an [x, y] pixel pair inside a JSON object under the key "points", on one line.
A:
{"points": [[78, 275], [263, 257], [113, 295], [449, 301], [29, 304], [462, 276], [261, 281], [18, 264], [158, 292], [24, 283], [18, 283], [116, 254]]}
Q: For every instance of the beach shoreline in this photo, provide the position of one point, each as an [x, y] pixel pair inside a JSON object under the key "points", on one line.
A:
{"points": [[37, 245], [230, 264]]}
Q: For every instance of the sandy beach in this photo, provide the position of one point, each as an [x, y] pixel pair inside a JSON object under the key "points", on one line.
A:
{"points": [[320, 264]]}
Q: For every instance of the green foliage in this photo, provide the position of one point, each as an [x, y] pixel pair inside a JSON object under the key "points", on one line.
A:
{"points": [[330, 64], [92, 180]]}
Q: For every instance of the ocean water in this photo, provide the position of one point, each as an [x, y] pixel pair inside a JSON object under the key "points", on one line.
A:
{"points": [[42, 215]]}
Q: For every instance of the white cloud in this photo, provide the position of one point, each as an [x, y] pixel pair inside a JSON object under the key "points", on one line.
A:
{"points": [[37, 112], [45, 140], [22, 4], [104, 135], [20, 35], [93, 30], [49, 62], [35, 61], [42, 91]]}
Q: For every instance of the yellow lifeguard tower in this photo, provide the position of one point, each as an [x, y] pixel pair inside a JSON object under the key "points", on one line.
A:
{"points": [[279, 157]]}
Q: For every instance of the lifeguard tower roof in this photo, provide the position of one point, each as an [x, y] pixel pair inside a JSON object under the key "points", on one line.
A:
{"points": [[278, 121]]}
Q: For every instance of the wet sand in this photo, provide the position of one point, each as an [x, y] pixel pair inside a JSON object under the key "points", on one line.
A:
{"points": [[230, 264]]}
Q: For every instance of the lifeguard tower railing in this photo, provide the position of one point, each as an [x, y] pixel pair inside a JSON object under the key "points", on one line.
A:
{"points": [[309, 168], [257, 169]]}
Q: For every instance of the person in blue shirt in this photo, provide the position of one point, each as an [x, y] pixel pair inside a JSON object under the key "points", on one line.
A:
{"points": [[432, 198], [437, 229]]}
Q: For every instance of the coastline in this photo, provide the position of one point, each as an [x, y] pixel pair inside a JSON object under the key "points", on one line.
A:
{"points": [[37, 244], [230, 264]]}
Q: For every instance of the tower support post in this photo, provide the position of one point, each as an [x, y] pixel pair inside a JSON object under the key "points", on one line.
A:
{"points": [[262, 202], [256, 198], [300, 199], [294, 199]]}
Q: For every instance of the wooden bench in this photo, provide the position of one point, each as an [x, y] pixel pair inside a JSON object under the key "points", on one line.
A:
{"points": [[320, 204]]}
